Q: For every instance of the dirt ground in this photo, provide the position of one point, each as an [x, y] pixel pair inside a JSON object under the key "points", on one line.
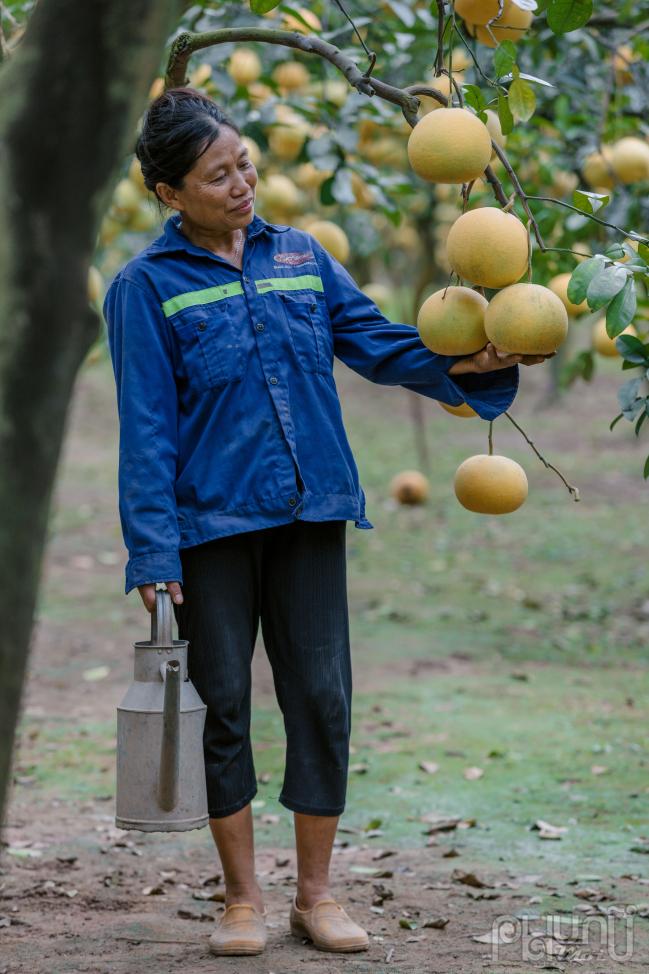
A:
{"points": [[78, 895]]}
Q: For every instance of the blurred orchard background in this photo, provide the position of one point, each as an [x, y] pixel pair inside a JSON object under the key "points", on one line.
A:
{"points": [[500, 750]]}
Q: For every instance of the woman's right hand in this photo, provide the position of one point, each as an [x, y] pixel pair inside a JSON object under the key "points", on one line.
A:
{"points": [[148, 594]]}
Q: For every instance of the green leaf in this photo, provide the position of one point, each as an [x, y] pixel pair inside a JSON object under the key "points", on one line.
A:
{"points": [[567, 15], [643, 416], [616, 420], [581, 278], [504, 58], [643, 251], [605, 285], [263, 6], [621, 310], [590, 202], [522, 100], [633, 350], [407, 924], [627, 396], [537, 81], [341, 188], [327, 197], [504, 114], [474, 97], [615, 251], [645, 473]]}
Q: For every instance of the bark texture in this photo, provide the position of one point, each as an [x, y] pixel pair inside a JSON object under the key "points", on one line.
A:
{"points": [[70, 98]]}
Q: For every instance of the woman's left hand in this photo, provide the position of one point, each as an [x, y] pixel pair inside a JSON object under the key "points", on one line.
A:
{"points": [[489, 359]]}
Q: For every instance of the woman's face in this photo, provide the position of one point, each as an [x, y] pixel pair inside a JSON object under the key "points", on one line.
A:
{"points": [[218, 192]]}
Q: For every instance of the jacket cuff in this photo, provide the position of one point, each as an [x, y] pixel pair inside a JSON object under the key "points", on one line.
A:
{"points": [[489, 393], [155, 566]]}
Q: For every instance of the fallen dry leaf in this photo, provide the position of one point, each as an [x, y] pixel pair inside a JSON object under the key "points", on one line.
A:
{"points": [[430, 767], [472, 774], [469, 879]]}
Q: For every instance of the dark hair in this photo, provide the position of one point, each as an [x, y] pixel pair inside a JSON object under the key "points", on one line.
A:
{"points": [[178, 127]]}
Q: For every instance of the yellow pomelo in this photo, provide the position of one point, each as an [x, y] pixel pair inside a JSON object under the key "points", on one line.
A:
{"points": [[405, 237], [126, 198], [630, 160], [332, 237], [526, 319], [135, 175], [482, 11], [95, 284], [451, 321], [452, 146], [279, 194], [254, 152], [244, 66], [286, 141], [512, 26], [157, 88], [463, 410], [598, 170], [202, 74], [260, 93], [604, 345], [289, 22], [379, 293], [559, 286], [495, 131], [143, 220], [291, 76], [624, 57], [563, 183], [488, 247], [490, 484], [441, 84], [410, 487], [309, 177]]}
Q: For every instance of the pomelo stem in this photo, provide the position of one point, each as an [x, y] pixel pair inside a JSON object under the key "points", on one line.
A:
{"points": [[491, 437], [574, 491]]}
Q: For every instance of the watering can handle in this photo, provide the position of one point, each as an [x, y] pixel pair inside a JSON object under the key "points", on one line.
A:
{"points": [[161, 619]]}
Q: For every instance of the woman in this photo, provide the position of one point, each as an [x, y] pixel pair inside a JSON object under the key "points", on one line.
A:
{"points": [[236, 480]]}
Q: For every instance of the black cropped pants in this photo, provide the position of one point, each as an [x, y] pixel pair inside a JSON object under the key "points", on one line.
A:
{"points": [[293, 578]]}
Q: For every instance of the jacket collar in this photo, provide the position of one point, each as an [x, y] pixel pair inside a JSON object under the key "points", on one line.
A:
{"points": [[173, 239]]}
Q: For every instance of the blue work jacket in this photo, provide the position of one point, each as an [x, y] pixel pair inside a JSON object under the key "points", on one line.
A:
{"points": [[229, 414]]}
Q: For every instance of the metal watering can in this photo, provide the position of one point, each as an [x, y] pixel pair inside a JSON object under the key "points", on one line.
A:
{"points": [[160, 765]]}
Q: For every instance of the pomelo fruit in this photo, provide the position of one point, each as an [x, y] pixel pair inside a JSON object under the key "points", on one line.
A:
{"points": [[291, 76], [604, 345], [490, 484], [482, 11], [279, 194], [463, 410], [559, 286], [286, 141], [495, 131], [452, 146], [630, 160], [379, 293], [244, 66], [95, 284], [290, 22], [451, 321], [254, 152], [410, 487], [512, 26], [332, 237], [441, 84], [488, 247], [526, 319], [598, 170]]}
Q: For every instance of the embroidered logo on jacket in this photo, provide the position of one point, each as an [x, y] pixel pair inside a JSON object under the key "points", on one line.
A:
{"points": [[294, 259]]}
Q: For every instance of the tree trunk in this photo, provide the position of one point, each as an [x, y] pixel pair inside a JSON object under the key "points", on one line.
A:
{"points": [[70, 98]]}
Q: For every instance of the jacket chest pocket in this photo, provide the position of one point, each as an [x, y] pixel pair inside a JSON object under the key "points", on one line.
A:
{"points": [[210, 346], [309, 330]]}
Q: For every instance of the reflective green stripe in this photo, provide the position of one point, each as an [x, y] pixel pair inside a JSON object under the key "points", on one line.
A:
{"points": [[206, 296], [305, 282]]}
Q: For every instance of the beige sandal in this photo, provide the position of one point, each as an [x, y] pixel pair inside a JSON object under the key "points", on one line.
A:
{"points": [[329, 927], [241, 930]]}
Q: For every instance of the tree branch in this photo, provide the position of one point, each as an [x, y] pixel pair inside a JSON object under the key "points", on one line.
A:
{"points": [[187, 44]]}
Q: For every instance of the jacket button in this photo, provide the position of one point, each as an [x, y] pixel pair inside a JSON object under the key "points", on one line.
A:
{"points": [[273, 380], [202, 326], [260, 326], [246, 279], [313, 306], [292, 501]]}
